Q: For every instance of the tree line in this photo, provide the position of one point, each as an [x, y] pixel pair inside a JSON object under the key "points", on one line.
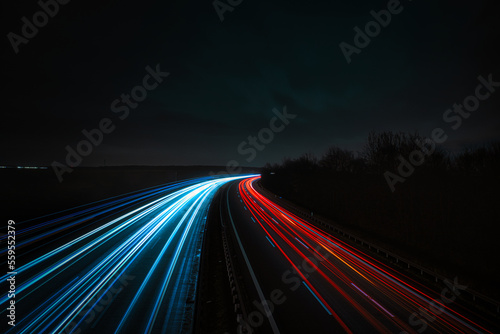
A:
{"points": [[445, 215]]}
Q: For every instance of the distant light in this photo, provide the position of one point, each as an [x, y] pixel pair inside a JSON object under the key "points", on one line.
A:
{"points": [[25, 167]]}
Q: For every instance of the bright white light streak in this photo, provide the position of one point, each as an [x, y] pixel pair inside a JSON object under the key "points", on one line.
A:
{"points": [[92, 245], [71, 301], [138, 239]]}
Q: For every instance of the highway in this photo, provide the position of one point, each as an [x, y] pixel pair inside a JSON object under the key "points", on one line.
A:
{"points": [[299, 279], [128, 264]]}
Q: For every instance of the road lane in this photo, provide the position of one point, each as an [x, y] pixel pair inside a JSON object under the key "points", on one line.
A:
{"points": [[126, 265], [329, 285], [294, 308]]}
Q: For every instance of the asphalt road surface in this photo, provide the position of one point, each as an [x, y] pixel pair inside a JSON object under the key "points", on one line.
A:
{"points": [[306, 281], [130, 264], [124, 265]]}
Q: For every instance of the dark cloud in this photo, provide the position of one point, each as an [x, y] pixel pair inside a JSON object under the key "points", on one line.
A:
{"points": [[226, 77]]}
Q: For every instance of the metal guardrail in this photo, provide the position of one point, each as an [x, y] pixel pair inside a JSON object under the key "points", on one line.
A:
{"points": [[239, 308], [474, 296]]}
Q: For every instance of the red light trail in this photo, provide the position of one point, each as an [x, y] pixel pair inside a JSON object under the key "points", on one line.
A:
{"points": [[380, 294]]}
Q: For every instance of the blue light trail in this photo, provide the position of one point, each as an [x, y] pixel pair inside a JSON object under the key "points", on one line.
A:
{"points": [[134, 257]]}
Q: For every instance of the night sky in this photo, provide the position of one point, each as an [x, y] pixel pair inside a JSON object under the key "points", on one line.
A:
{"points": [[226, 77]]}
